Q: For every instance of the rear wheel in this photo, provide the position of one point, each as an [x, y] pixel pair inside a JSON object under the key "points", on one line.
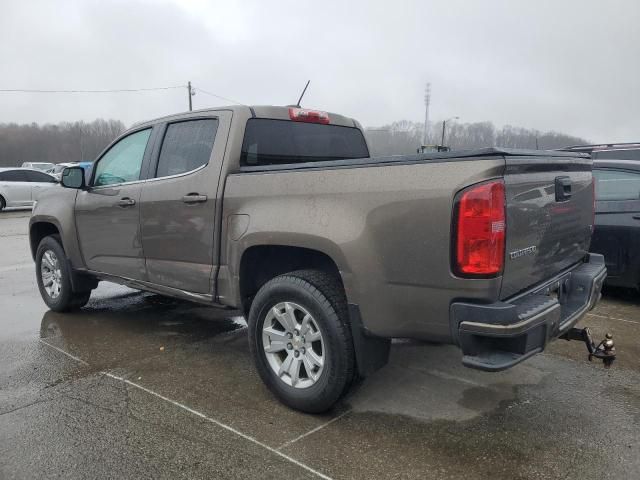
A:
{"points": [[54, 278], [301, 341], [2, 203]]}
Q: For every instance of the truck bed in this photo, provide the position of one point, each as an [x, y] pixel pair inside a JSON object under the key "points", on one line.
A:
{"points": [[434, 157]]}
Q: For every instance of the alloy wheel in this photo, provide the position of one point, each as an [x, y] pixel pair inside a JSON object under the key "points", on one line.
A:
{"points": [[293, 345]]}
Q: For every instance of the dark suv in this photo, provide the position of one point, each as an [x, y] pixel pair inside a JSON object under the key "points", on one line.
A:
{"points": [[616, 169]]}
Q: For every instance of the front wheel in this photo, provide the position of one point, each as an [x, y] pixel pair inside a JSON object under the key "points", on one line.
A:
{"points": [[54, 278], [301, 341]]}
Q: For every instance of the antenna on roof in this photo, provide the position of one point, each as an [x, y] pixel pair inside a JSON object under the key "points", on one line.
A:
{"points": [[302, 94]]}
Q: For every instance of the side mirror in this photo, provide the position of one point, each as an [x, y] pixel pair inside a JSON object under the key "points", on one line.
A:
{"points": [[73, 177]]}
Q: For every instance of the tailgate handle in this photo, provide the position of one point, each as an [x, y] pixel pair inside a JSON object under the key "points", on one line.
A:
{"points": [[563, 189]]}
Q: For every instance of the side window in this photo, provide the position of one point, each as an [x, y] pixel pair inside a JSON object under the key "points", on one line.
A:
{"points": [[186, 146], [123, 161], [14, 176], [616, 185], [621, 154], [40, 177]]}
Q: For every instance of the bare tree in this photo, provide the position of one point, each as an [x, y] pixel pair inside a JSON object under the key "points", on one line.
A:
{"points": [[405, 137], [56, 143]]}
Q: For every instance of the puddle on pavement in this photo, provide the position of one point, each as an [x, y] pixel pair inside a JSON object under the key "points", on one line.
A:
{"points": [[111, 331]]}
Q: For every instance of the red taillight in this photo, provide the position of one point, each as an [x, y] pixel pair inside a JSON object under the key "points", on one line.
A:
{"points": [[310, 116], [480, 230]]}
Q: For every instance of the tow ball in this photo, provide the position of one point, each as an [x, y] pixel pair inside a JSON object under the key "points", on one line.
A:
{"points": [[605, 350]]}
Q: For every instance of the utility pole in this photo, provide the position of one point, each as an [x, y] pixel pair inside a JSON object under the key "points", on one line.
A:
{"points": [[444, 124], [427, 101], [190, 95]]}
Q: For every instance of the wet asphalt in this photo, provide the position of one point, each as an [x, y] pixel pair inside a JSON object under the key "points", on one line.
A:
{"points": [[140, 386]]}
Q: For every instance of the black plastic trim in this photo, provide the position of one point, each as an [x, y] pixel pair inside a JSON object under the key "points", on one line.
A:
{"points": [[500, 335], [372, 353]]}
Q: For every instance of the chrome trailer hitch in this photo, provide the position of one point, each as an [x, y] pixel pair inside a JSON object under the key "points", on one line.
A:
{"points": [[605, 350]]}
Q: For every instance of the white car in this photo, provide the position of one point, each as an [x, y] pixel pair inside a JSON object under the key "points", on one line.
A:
{"points": [[43, 166], [20, 187]]}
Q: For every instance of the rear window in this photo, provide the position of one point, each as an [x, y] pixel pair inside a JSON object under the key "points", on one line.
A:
{"points": [[277, 142], [616, 185], [632, 154]]}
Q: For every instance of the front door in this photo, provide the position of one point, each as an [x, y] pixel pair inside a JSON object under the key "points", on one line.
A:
{"points": [[108, 211], [178, 204]]}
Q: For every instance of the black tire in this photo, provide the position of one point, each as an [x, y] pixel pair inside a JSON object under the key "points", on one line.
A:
{"points": [[2, 203], [67, 299], [322, 295]]}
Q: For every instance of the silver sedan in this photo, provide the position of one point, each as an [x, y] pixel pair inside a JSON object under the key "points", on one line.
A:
{"points": [[20, 187]]}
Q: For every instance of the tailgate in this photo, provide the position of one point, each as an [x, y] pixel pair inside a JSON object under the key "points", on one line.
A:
{"points": [[549, 217]]}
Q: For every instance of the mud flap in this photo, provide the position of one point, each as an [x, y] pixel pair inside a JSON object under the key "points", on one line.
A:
{"points": [[372, 353]]}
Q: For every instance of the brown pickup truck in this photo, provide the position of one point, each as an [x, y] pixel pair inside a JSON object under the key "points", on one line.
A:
{"points": [[282, 213]]}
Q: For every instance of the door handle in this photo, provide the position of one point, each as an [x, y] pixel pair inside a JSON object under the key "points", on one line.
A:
{"points": [[126, 202], [636, 217], [194, 198]]}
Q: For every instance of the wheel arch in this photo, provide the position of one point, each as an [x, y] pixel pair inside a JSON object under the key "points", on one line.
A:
{"points": [[260, 263], [45, 227], [39, 230]]}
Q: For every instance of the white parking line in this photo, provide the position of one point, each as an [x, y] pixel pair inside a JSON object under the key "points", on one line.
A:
{"points": [[201, 415], [613, 318], [79, 360], [314, 430]]}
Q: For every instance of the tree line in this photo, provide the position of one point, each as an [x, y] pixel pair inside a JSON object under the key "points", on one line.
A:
{"points": [[83, 141], [56, 143], [404, 137]]}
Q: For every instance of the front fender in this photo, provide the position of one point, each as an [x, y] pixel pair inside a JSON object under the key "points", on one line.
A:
{"points": [[57, 208]]}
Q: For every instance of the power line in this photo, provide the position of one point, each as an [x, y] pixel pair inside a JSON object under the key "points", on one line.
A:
{"points": [[198, 89], [118, 90], [191, 90]]}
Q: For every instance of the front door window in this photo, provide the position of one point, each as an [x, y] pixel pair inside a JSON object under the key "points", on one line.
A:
{"points": [[123, 162]]}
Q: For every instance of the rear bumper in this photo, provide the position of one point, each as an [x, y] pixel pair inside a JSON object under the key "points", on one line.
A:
{"points": [[497, 336]]}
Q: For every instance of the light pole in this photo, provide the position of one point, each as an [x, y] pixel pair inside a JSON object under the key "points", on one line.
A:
{"points": [[444, 123]]}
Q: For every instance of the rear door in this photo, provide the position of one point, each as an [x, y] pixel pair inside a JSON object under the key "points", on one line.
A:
{"points": [[16, 188], [178, 203], [549, 217], [617, 228], [108, 212]]}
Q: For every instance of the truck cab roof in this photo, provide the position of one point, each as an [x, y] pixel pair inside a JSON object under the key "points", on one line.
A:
{"points": [[256, 111]]}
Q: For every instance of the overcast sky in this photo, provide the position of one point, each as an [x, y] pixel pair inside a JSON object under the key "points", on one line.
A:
{"points": [[571, 66]]}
